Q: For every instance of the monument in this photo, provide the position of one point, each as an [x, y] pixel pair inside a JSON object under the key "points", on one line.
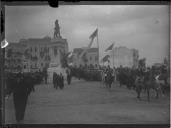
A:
{"points": [[57, 30], [59, 45]]}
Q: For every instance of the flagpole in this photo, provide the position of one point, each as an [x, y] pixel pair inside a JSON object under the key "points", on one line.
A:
{"points": [[117, 57], [113, 55], [98, 45], [92, 38]]}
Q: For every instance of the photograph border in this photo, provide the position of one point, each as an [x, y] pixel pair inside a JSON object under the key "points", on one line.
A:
{"points": [[55, 4]]}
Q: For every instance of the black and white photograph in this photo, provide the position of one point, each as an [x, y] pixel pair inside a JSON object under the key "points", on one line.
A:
{"points": [[87, 64]]}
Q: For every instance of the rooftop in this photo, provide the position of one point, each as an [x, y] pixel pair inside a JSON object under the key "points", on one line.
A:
{"points": [[46, 40], [76, 50], [15, 45]]}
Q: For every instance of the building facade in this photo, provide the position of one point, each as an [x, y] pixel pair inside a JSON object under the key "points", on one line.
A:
{"points": [[123, 56], [14, 57], [40, 53], [89, 59]]}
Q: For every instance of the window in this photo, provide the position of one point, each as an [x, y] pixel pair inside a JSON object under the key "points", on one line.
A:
{"points": [[24, 66], [96, 58], [35, 49], [90, 58], [55, 51], [31, 49], [42, 64], [46, 65]]}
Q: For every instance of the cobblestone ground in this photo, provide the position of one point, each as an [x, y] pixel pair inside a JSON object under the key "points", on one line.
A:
{"points": [[89, 102]]}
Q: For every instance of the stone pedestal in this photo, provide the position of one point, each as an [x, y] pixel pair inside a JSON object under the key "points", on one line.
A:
{"points": [[61, 45]]}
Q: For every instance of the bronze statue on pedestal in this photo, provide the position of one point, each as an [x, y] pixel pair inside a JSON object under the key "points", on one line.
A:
{"points": [[57, 30]]}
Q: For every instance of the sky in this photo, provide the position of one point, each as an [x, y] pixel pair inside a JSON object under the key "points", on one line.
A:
{"points": [[143, 27]]}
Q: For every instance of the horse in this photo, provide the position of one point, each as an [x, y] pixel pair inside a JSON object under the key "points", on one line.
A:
{"points": [[122, 77], [147, 83], [163, 81], [139, 85], [130, 81]]}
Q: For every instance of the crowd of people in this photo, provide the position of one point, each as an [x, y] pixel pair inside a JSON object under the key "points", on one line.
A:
{"points": [[22, 84], [124, 75], [58, 79], [86, 73]]}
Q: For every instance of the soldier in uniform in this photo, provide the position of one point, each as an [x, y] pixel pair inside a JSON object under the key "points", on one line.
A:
{"points": [[68, 71], [45, 75], [54, 80], [57, 81], [61, 81]]}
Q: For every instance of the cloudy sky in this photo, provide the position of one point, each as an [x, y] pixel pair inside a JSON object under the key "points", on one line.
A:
{"points": [[143, 27]]}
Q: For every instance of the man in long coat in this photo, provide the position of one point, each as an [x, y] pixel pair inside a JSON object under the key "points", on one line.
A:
{"points": [[45, 75], [22, 86], [61, 81], [54, 80], [68, 72]]}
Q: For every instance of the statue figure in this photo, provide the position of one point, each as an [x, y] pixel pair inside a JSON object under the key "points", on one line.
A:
{"points": [[57, 30]]}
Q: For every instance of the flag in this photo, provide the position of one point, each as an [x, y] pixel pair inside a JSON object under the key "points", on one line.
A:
{"points": [[94, 34], [106, 58], [69, 54], [109, 48], [70, 59]]}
